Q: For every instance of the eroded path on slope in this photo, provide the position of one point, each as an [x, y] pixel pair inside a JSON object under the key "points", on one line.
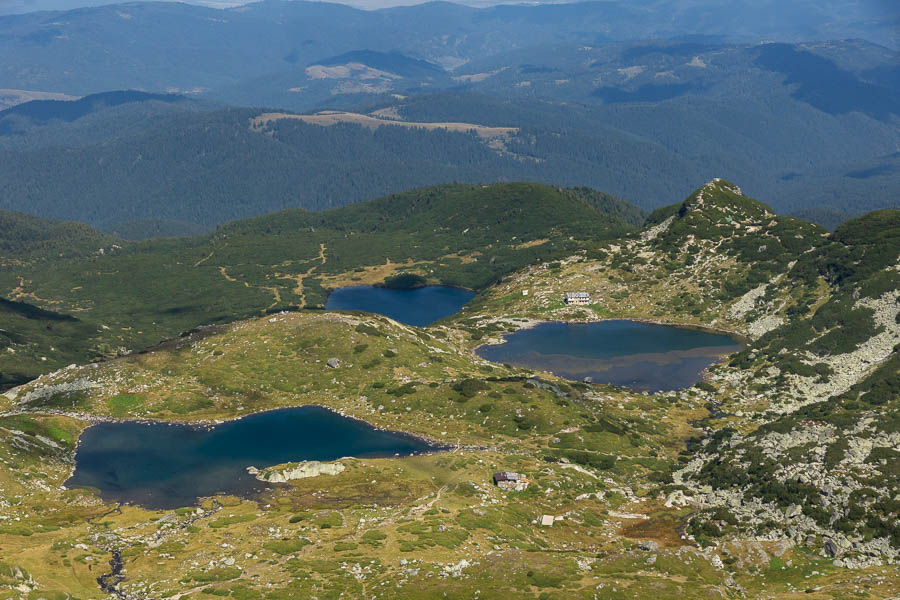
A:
{"points": [[298, 279], [276, 293]]}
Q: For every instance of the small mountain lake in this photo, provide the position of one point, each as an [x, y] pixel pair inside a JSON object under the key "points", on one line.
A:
{"points": [[641, 356], [163, 465], [417, 306]]}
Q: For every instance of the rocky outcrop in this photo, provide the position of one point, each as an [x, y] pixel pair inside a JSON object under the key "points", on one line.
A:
{"points": [[42, 393], [653, 232], [747, 302], [292, 471], [851, 367], [836, 480]]}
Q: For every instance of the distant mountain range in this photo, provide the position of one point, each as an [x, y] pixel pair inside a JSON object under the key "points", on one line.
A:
{"points": [[207, 49], [143, 164], [813, 128]]}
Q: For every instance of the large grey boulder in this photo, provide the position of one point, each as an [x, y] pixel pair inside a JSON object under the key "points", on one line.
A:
{"points": [[832, 549], [300, 470]]}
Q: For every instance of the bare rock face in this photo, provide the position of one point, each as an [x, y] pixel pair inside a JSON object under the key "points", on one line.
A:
{"points": [[300, 470], [832, 548], [334, 363]]}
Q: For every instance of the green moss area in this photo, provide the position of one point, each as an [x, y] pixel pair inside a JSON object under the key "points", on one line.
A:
{"points": [[435, 509], [400, 379]]}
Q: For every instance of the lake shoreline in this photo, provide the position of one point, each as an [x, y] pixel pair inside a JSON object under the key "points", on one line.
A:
{"points": [[532, 323], [92, 420], [483, 351], [347, 437], [419, 306]]}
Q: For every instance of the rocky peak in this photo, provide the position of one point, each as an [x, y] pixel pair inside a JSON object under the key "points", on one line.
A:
{"points": [[722, 200], [718, 212]]}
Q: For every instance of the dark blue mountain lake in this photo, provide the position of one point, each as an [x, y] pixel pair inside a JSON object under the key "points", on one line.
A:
{"points": [[641, 356], [418, 306], [162, 465]]}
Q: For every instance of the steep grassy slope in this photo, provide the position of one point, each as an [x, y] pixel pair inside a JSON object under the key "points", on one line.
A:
{"points": [[28, 332], [127, 296], [692, 262]]}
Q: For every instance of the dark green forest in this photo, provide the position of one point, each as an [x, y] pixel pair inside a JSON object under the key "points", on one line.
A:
{"points": [[155, 168]]}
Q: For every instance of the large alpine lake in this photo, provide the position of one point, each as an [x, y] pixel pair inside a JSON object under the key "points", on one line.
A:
{"points": [[418, 306], [161, 465], [640, 356]]}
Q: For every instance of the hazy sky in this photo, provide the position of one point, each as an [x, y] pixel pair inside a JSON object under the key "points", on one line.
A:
{"points": [[879, 7], [21, 6]]}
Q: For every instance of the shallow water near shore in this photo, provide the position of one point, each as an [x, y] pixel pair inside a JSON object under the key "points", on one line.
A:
{"points": [[417, 306], [161, 465], [641, 356]]}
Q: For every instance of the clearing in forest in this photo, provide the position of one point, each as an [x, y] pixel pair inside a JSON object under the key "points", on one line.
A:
{"points": [[328, 118]]}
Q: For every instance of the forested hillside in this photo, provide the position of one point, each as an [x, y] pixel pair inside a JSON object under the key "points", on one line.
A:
{"points": [[130, 168], [77, 295], [24, 237], [228, 171]]}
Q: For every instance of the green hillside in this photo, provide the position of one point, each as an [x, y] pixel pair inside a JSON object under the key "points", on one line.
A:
{"points": [[506, 210], [692, 259], [129, 296], [25, 237], [801, 438]]}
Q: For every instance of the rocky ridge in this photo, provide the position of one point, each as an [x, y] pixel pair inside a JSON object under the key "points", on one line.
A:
{"points": [[821, 314], [805, 444]]}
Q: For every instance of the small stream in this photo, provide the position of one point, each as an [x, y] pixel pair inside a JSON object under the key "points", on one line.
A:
{"points": [[109, 583]]}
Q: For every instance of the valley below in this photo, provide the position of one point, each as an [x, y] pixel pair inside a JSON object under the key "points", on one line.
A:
{"points": [[773, 473]]}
